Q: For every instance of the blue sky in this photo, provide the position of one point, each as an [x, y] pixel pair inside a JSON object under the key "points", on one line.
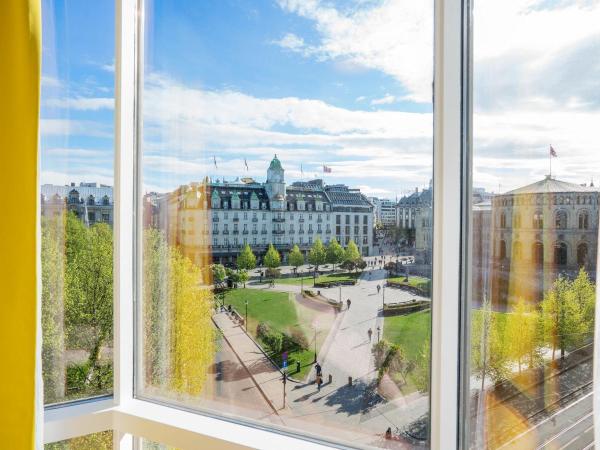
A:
{"points": [[342, 83]]}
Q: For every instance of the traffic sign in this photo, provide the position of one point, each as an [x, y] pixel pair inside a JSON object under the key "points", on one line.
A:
{"points": [[285, 363], [284, 356]]}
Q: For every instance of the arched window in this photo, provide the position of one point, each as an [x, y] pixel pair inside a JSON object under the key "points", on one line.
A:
{"points": [[91, 200], [517, 220], [502, 219], [582, 254], [584, 220], [517, 250], [502, 250], [560, 220], [560, 254], [538, 220], [537, 253]]}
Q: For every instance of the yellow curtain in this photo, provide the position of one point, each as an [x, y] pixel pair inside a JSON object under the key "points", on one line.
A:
{"points": [[20, 59]]}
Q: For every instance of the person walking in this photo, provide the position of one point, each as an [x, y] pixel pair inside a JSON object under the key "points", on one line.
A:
{"points": [[378, 288], [318, 369], [319, 382], [348, 302], [370, 333]]}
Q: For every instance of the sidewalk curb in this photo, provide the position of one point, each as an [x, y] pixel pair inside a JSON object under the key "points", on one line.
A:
{"points": [[247, 369]]}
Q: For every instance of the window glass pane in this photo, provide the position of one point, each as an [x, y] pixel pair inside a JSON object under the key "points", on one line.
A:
{"points": [[286, 194], [535, 223], [95, 441], [76, 202]]}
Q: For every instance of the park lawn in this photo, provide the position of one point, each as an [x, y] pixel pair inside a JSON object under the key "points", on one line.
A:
{"points": [[278, 310], [413, 280], [308, 280], [409, 331]]}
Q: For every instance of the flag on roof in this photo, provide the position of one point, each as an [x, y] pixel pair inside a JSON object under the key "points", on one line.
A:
{"points": [[326, 169], [215, 161], [553, 152], [246, 163]]}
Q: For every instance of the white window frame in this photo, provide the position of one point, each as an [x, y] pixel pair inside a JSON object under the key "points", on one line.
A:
{"points": [[167, 424]]}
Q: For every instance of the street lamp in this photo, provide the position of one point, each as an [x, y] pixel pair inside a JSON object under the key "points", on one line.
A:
{"points": [[340, 286], [383, 300], [246, 323], [315, 327], [378, 332]]}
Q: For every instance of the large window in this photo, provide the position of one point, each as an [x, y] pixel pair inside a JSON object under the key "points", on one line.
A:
{"points": [[287, 106], [532, 316], [76, 202]]}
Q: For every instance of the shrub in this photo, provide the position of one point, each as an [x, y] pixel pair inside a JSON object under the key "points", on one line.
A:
{"points": [[272, 273], [295, 340], [262, 330], [274, 341]]}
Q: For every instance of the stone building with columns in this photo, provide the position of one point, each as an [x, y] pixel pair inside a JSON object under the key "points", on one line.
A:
{"points": [[539, 232], [90, 202]]}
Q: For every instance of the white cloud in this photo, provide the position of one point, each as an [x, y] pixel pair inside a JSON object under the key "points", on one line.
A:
{"points": [[68, 127], [82, 103], [291, 42], [385, 100], [85, 174], [395, 37]]}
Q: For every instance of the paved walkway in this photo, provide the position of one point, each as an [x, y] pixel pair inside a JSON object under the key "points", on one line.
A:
{"points": [[264, 374]]}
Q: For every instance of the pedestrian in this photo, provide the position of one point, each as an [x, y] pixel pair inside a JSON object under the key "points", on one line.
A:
{"points": [[370, 333], [319, 382], [348, 302], [318, 369], [378, 288]]}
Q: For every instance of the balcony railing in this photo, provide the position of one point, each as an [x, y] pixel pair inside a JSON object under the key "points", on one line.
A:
{"points": [[226, 232], [236, 219], [215, 232], [278, 219], [278, 231], [301, 220], [245, 232], [236, 232], [254, 231], [327, 231], [255, 219], [263, 232]]}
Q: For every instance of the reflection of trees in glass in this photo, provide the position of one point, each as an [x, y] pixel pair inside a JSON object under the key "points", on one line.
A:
{"points": [[351, 254], [335, 253], [77, 306], [295, 258], [178, 332], [522, 333], [95, 441]]}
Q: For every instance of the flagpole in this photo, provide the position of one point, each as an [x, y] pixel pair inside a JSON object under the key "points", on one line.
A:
{"points": [[550, 156]]}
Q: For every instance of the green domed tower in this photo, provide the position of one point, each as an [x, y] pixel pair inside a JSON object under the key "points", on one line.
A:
{"points": [[275, 185]]}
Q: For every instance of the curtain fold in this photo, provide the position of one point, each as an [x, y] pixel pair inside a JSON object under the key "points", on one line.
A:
{"points": [[20, 61]]}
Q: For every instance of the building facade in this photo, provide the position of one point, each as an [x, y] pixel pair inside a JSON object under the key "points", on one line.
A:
{"points": [[384, 211], [220, 217], [90, 202], [539, 232]]}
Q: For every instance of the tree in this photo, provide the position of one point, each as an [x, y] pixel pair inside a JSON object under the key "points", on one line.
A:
{"points": [[522, 333], [335, 253], [178, 333], [317, 256], [218, 273], [296, 258], [562, 318], [243, 277], [246, 259], [89, 287], [422, 367], [585, 296], [272, 259], [351, 254], [53, 335]]}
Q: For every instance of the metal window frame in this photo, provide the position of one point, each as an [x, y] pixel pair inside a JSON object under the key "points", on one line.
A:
{"points": [[127, 414]]}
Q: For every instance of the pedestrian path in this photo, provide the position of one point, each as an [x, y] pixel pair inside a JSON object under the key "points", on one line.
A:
{"points": [[264, 373]]}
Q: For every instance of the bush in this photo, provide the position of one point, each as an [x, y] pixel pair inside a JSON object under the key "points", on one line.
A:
{"points": [[78, 383], [274, 341], [262, 330], [272, 273], [295, 340], [380, 351]]}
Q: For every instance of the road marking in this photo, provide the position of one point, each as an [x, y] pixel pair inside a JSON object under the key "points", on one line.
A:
{"points": [[564, 430], [576, 437]]}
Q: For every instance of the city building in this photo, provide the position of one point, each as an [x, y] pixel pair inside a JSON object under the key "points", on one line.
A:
{"points": [[219, 217], [89, 201], [384, 211], [539, 232]]}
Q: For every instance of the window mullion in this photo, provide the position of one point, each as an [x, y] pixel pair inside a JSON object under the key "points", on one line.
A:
{"points": [[447, 224]]}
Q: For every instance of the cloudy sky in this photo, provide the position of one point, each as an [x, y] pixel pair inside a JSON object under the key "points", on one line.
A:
{"points": [[346, 84]]}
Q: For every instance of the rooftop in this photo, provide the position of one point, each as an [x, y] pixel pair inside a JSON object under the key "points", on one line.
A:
{"points": [[551, 185]]}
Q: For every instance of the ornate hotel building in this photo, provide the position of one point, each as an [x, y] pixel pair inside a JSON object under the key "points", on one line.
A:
{"points": [[539, 232], [220, 217]]}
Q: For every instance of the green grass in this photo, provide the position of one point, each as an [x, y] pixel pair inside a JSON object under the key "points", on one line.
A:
{"points": [[413, 280], [278, 310], [409, 331], [308, 280]]}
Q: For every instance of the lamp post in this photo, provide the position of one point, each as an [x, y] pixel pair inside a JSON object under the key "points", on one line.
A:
{"points": [[315, 327], [340, 286], [301, 284], [378, 333], [246, 322], [383, 299]]}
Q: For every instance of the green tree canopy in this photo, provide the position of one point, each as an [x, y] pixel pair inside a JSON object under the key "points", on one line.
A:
{"points": [[562, 317], [218, 273], [295, 257], [351, 254], [317, 254], [246, 259], [335, 252], [272, 259], [522, 337]]}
